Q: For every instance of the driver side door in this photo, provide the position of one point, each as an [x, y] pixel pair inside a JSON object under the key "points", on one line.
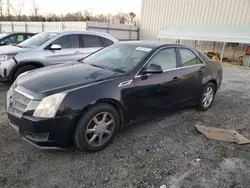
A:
{"points": [[70, 50], [155, 91]]}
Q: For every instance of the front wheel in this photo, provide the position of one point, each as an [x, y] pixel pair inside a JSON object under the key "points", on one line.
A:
{"points": [[23, 69], [207, 97], [97, 128]]}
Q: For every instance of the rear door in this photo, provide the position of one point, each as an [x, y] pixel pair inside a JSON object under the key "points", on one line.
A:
{"points": [[70, 51], [91, 43], [193, 71]]}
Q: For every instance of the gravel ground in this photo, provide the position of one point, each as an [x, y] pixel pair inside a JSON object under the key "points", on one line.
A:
{"points": [[148, 154]]}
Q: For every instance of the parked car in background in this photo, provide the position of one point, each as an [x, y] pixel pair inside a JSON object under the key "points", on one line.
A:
{"points": [[49, 48], [89, 101], [14, 38]]}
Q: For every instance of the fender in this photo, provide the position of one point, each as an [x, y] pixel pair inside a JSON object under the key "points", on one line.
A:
{"points": [[207, 79], [116, 104], [18, 65]]}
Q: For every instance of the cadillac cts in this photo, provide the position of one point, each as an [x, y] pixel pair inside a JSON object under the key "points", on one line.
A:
{"points": [[88, 101]]}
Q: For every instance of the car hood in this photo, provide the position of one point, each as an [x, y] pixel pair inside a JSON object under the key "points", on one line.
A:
{"points": [[58, 78], [12, 49]]}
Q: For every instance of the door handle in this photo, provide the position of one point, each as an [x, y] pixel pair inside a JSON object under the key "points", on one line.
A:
{"points": [[175, 79], [77, 52], [200, 72]]}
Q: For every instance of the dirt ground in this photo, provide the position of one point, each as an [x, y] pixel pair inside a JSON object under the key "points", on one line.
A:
{"points": [[148, 154]]}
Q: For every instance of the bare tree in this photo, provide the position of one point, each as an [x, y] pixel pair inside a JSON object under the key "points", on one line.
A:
{"points": [[17, 10], [35, 8], [8, 9], [87, 15], [132, 17], [1, 8]]}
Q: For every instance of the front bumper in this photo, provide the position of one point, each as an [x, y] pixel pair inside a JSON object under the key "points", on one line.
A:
{"points": [[44, 133], [6, 68]]}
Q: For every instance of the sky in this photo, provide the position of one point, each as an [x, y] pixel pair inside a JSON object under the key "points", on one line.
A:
{"points": [[95, 6]]}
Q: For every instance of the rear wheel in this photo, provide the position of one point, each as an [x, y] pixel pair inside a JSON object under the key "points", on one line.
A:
{"points": [[207, 97], [97, 128], [23, 69]]}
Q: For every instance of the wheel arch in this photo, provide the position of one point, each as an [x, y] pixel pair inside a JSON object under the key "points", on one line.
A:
{"points": [[215, 83], [24, 63], [116, 104]]}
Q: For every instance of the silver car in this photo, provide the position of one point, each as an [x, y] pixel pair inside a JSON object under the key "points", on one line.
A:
{"points": [[49, 48]]}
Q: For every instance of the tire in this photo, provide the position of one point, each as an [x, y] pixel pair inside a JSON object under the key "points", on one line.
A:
{"points": [[23, 69], [202, 105], [90, 141]]}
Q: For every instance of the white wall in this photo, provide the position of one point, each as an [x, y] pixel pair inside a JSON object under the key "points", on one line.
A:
{"points": [[156, 14], [120, 31]]}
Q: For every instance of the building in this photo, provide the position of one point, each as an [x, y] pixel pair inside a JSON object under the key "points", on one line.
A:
{"points": [[157, 14]]}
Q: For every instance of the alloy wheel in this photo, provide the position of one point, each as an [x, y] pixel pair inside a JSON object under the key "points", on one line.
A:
{"points": [[100, 129], [208, 97]]}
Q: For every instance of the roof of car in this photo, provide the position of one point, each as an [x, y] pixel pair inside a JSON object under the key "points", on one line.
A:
{"points": [[82, 32], [9, 33], [152, 44]]}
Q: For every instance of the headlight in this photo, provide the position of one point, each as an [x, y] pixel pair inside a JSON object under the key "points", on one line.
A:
{"points": [[6, 57], [48, 107]]}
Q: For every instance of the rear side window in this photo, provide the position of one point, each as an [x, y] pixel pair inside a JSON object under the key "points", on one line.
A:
{"points": [[106, 42], [91, 41], [189, 58], [203, 56], [28, 36]]}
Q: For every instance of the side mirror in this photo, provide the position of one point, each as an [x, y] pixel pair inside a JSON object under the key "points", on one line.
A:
{"points": [[55, 47], [3, 43], [153, 69]]}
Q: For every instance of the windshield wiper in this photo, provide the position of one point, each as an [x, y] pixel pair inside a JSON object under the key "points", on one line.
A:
{"points": [[98, 66], [21, 46], [119, 70]]}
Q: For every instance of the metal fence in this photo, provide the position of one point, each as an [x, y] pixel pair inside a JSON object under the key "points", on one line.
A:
{"points": [[120, 31]]}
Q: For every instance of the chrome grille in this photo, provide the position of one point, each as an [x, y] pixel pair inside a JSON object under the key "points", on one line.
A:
{"points": [[17, 103]]}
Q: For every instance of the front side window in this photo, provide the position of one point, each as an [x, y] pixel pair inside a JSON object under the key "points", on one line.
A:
{"points": [[120, 57], [68, 41], [38, 40], [189, 58], [166, 58], [10, 39], [91, 41]]}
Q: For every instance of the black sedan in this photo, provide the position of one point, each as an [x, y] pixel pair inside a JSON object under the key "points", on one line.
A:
{"points": [[14, 38], [89, 101]]}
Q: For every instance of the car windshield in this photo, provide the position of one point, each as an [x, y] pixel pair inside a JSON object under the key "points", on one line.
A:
{"points": [[37, 40], [120, 57]]}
